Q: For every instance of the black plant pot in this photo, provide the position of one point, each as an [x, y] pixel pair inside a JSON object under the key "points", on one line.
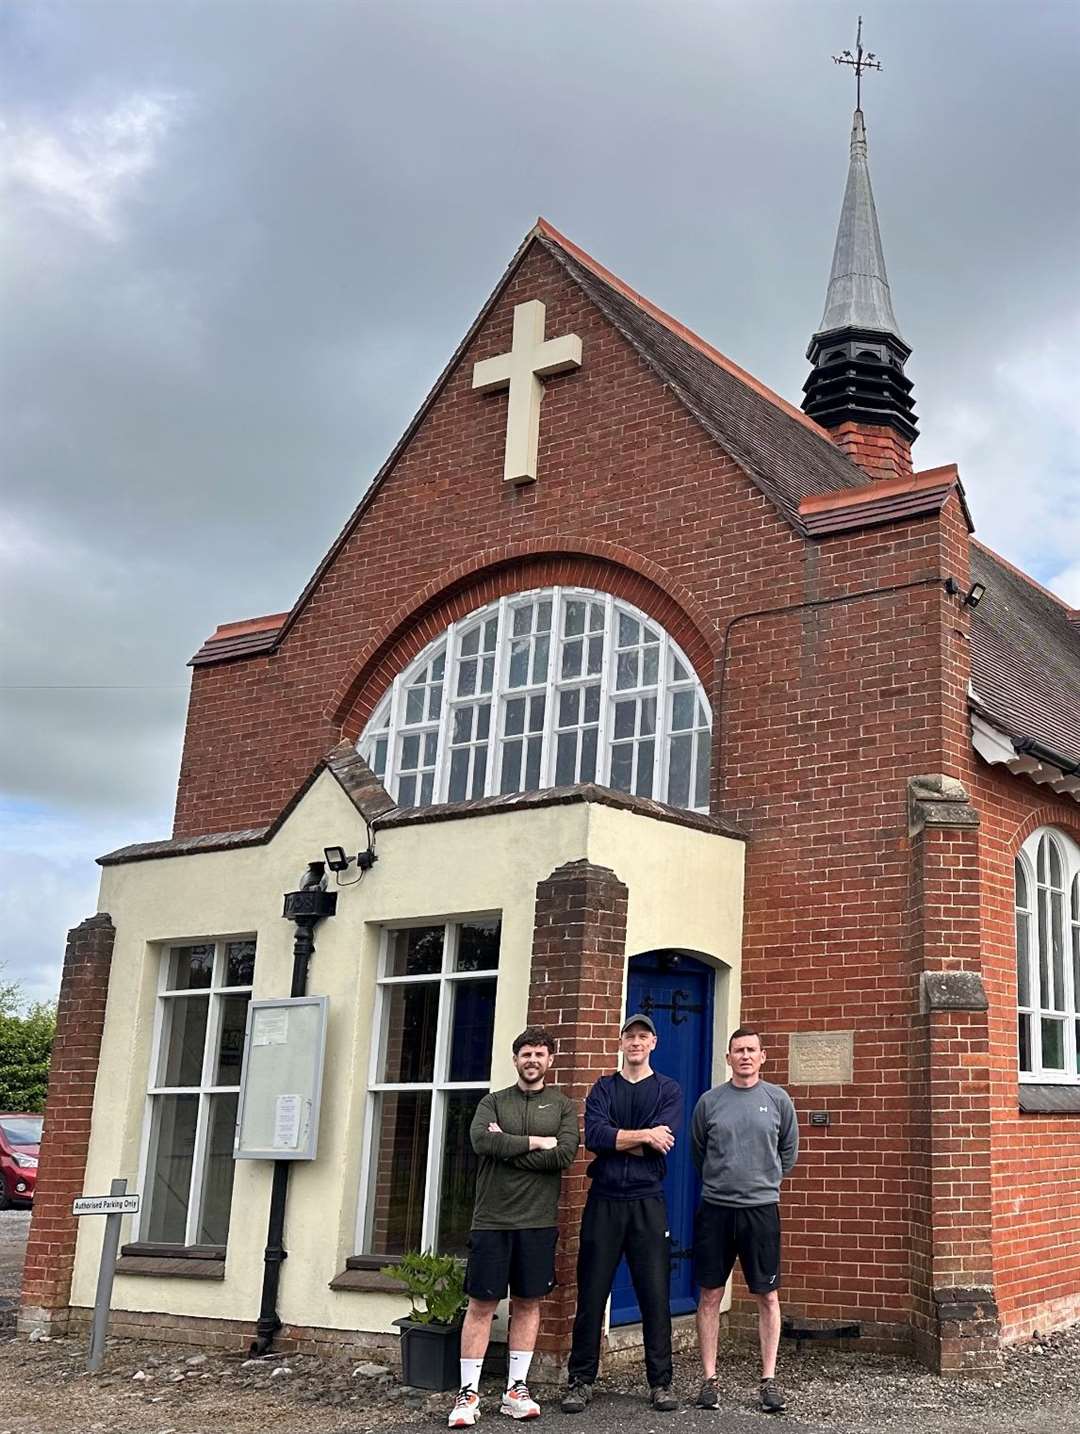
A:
{"points": [[430, 1354]]}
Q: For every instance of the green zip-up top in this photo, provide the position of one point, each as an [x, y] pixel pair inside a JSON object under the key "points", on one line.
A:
{"points": [[518, 1188]]}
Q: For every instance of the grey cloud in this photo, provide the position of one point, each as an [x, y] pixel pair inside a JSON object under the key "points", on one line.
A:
{"points": [[195, 393]]}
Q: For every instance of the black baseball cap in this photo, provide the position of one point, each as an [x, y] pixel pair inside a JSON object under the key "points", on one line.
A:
{"points": [[639, 1019]]}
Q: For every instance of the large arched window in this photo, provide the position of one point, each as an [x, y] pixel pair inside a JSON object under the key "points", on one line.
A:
{"points": [[1048, 956], [544, 689]]}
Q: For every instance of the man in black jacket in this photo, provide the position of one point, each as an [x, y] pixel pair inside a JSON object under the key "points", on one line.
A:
{"points": [[631, 1119]]}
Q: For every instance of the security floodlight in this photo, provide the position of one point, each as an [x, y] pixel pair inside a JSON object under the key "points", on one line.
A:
{"points": [[975, 594], [336, 859]]}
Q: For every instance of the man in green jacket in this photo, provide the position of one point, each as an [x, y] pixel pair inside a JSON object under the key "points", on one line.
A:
{"points": [[525, 1136]]}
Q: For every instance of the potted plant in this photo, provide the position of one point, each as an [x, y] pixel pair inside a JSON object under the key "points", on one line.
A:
{"points": [[431, 1331]]}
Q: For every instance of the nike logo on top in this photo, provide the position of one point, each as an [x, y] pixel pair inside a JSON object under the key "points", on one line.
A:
{"points": [[544, 1107]]}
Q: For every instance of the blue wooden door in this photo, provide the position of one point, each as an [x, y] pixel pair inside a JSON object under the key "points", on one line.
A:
{"points": [[676, 991]]}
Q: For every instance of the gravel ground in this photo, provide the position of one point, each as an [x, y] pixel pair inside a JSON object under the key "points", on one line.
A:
{"points": [[149, 1388], [156, 1389]]}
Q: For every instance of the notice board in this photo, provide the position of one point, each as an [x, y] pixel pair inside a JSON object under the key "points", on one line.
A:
{"points": [[281, 1079]]}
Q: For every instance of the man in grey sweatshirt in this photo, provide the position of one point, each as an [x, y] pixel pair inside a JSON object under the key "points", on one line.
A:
{"points": [[745, 1138]]}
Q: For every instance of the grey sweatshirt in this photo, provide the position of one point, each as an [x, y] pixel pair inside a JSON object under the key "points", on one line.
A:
{"points": [[744, 1140]]}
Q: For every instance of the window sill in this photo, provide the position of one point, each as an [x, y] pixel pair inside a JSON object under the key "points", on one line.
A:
{"points": [[362, 1272], [1045, 1098], [190, 1262], [160, 1265]]}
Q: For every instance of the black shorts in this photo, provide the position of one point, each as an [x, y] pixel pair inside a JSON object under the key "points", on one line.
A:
{"points": [[750, 1233], [524, 1260]]}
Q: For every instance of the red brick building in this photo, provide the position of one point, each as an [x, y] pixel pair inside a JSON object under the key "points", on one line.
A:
{"points": [[823, 749]]}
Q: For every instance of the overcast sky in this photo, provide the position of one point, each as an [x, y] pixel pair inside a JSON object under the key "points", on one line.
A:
{"points": [[240, 239]]}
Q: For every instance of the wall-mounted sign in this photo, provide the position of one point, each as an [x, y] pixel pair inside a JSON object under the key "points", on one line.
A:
{"points": [[281, 1079], [106, 1205]]}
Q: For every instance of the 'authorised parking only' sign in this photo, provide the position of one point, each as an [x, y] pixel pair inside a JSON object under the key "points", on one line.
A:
{"points": [[106, 1205]]}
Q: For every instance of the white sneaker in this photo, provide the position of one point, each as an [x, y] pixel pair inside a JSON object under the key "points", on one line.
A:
{"points": [[466, 1410], [519, 1403]]}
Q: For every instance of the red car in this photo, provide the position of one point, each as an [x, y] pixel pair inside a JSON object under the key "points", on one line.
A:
{"points": [[20, 1137]]}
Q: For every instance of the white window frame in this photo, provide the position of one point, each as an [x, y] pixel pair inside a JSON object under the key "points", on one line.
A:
{"points": [[1038, 1009], [439, 1087], [387, 722], [217, 992]]}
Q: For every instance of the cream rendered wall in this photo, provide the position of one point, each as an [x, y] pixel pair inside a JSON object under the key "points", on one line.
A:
{"points": [[685, 892]]}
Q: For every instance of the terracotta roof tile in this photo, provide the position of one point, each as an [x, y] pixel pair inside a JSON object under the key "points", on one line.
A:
{"points": [[887, 500]]}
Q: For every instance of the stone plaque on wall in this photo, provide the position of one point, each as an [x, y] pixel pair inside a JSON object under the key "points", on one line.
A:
{"points": [[820, 1057]]}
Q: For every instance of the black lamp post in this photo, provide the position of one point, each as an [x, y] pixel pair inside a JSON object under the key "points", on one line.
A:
{"points": [[306, 907]]}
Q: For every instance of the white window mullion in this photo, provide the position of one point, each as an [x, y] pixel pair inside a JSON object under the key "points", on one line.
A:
{"points": [[363, 1203], [607, 687], [393, 757], [442, 747], [659, 782], [502, 655], [429, 1230], [547, 741], [198, 1167], [142, 1222]]}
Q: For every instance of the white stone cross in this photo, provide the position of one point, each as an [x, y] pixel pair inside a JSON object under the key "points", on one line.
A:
{"points": [[530, 359]]}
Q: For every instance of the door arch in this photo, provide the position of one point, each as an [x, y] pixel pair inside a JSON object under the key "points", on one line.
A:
{"points": [[676, 991]]}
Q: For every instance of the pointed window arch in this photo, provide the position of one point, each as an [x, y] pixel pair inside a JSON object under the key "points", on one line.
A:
{"points": [[550, 687]]}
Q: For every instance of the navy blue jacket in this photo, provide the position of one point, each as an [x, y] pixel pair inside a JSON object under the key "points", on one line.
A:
{"points": [[616, 1174]]}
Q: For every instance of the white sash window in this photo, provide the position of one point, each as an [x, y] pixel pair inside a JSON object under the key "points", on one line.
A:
{"points": [[1047, 874], [203, 996]]}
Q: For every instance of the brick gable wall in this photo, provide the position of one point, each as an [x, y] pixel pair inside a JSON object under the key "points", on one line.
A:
{"points": [[822, 713], [622, 465]]}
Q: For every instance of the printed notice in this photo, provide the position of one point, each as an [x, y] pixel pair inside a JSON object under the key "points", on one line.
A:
{"points": [[271, 1026], [287, 1112]]}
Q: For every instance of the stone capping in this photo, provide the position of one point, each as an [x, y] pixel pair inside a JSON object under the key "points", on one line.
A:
{"points": [[370, 798], [935, 800], [952, 991], [359, 782], [556, 797], [1034, 1098], [965, 1303], [185, 846]]}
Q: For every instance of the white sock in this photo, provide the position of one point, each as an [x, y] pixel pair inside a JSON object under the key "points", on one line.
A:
{"points": [[520, 1359], [470, 1374]]}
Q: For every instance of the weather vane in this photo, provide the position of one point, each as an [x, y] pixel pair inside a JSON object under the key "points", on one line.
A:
{"points": [[860, 61]]}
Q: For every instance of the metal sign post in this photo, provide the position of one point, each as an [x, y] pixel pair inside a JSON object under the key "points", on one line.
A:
{"points": [[114, 1207]]}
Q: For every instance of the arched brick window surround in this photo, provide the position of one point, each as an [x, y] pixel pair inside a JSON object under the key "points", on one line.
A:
{"points": [[602, 566]]}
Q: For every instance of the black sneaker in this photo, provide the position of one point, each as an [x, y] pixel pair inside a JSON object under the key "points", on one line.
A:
{"points": [[576, 1398], [709, 1395], [662, 1398], [772, 1401]]}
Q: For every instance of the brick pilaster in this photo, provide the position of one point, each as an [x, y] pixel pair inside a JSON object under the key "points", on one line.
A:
{"points": [[576, 990], [955, 1310], [80, 1019]]}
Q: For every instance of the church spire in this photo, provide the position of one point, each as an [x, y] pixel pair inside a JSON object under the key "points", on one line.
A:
{"points": [[857, 387], [858, 294]]}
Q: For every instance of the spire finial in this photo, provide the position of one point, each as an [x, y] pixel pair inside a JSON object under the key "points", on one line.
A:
{"points": [[860, 61]]}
